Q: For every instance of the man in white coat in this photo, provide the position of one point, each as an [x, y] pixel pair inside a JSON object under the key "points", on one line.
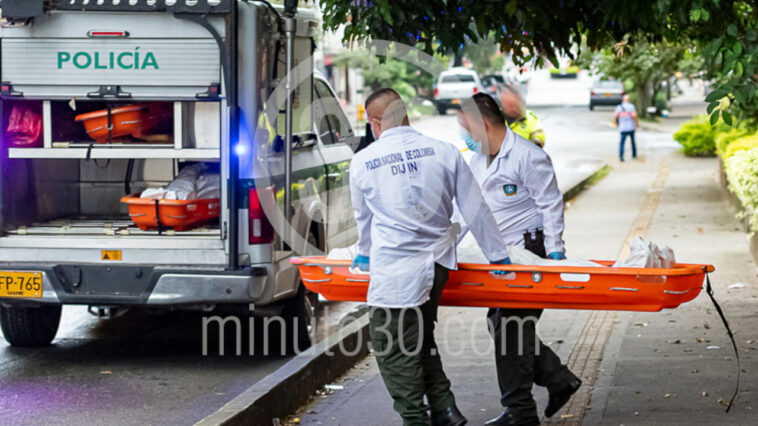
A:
{"points": [[402, 188], [519, 185]]}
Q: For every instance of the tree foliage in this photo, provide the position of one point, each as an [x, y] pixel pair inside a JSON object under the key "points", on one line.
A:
{"points": [[724, 30]]}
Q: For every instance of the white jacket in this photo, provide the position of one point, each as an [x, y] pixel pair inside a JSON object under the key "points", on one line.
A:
{"points": [[522, 192], [402, 188]]}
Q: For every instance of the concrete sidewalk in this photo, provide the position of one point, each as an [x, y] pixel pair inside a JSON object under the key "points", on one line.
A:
{"points": [[639, 368]]}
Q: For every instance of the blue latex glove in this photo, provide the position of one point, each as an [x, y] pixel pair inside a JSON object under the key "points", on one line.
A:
{"points": [[557, 255], [361, 262], [506, 261]]}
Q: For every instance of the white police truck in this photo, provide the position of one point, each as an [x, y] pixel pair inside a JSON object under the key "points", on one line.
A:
{"points": [[236, 83]]}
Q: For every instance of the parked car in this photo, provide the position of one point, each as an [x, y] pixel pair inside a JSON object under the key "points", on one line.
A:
{"points": [[493, 85], [606, 92], [455, 85]]}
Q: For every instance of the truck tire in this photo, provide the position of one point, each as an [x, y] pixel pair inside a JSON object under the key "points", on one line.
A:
{"points": [[441, 110], [30, 326], [300, 316], [301, 312]]}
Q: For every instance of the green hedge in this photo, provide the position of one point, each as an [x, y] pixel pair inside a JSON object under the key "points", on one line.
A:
{"points": [[697, 136], [742, 174], [723, 139], [744, 143]]}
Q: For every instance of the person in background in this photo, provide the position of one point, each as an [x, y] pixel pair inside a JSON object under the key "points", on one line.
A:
{"points": [[522, 121], [402, 188], [627, 122], [518, 182]]}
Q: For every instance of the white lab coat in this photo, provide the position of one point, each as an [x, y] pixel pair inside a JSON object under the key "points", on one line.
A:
{"points": [[532, 199], [402, 188]]}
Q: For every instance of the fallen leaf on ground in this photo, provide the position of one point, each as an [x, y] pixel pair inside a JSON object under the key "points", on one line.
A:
{"points": [[106, 372], [737, 285]]}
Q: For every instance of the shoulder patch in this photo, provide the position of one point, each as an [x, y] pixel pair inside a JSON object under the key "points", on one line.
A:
{"points": [[510, 189]]}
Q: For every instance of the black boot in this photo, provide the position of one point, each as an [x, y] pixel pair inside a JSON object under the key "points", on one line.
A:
{"points": [[560, 398], [450, 416], [510, 418]]}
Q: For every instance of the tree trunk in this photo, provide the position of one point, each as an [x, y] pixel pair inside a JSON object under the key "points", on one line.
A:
{"points": [[458, 59], [644, 98]]}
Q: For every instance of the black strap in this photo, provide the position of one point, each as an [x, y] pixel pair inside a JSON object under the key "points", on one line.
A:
{"points": [[158, 217], [709, 290]]}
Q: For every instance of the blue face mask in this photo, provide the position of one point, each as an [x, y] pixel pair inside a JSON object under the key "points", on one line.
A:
{"points": [[373, 135], [472, 145]]}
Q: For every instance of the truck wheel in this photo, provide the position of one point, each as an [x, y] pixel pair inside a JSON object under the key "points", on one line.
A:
{"points": [[441, 110], [30, 326], [301, 317], [301, 312]]}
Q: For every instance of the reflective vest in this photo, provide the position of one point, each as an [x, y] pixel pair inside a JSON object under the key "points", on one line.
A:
{"points": [[530, 129]]}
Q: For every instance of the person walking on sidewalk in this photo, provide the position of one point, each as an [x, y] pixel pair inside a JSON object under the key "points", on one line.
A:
{"points": [[402, 188], [627, 122], [519, 185]]}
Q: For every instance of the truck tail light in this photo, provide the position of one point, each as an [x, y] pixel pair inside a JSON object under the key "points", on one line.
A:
{"points": [[476, 90], [107, 34], [623, 92], [592, 93], [436, 93], [260, 228]]}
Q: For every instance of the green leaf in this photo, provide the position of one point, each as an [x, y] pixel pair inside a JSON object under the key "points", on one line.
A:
{"points": [[711, 106], [737, 48], [719, 58], [738, 69], [716, 95], [511, 7], [384, 9], [741, 95], [751, 34], [750, 92], [705, 15], [727, 117], [714, 118], [732, 30], [713, 46], [695, 15]]}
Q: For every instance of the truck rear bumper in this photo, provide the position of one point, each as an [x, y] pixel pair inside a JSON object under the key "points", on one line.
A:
{"points": [[97, 284]]}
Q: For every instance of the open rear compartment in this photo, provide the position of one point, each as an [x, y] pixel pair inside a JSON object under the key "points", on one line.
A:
{"points": [[67, 166]]}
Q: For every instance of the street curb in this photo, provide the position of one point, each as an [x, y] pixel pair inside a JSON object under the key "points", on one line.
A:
{"points": [[590, 180], [285, 390]]}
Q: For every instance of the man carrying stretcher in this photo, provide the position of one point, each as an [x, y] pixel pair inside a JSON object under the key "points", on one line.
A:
{"points": [[402, 188], [519, 186]]}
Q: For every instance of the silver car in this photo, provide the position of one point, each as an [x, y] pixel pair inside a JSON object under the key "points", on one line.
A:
{"points": [[606, 92]]}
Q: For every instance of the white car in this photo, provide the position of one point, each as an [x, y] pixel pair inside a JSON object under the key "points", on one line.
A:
{"points": [[455, 85]]}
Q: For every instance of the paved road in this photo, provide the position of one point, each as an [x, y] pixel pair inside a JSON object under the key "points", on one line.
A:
{"points": [[578, 140], [140, 368]]}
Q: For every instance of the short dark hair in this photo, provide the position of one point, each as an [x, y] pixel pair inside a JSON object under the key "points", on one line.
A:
{"points": [[484, 105], [385, 91]]}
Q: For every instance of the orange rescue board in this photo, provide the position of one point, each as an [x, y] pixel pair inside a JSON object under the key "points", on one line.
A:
{"points": [[525, 286]]}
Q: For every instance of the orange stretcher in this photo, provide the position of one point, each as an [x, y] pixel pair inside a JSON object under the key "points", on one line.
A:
{"points": [[530, 287]]}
